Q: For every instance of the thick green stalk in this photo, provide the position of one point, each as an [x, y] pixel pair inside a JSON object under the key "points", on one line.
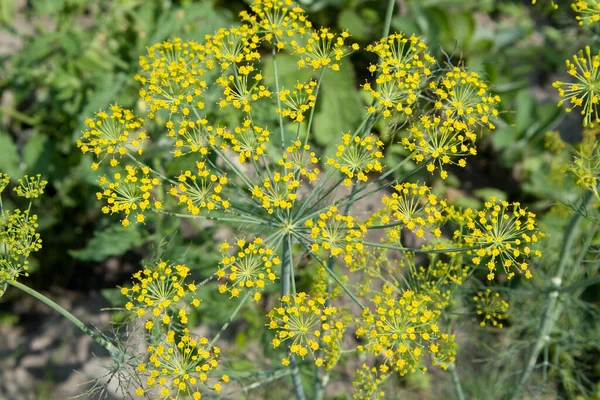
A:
{"points": [[552, 305], [286, 272], [277, 91], [456, 381], [73, 319], [427, 251], [388, 18]]}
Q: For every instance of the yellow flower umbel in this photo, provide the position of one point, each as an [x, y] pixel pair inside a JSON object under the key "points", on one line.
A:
{"points": [[249, 140], [242, 88], [491, 308], [112, 134], [192, 137], [180, 367], [403, 69], [356, 157], [297, 101], [307, 325], [585, 92], [322, 49], [128, 192], [367, 380], [248, 268], [278, 193], [30, 187], [171, 77], [158, 292], [588, 11], [277, 21], [414, 207], [440, 142], [200, 191], [586, 168], [337, 233], [233, 46], [462, 95], [402, 329], [505, 233], [300, 160]]}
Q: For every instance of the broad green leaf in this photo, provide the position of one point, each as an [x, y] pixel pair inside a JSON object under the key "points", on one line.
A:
{"points": [[339, 107], [9, 157], [35, 153], [115, 240], [351, 21]]}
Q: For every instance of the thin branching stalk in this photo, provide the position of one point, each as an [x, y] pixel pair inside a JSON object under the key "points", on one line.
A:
{"points": [[277, 90], [73, 319], [312, 111], [230, 319], [553, 307], [427, 251], [388, 18]]}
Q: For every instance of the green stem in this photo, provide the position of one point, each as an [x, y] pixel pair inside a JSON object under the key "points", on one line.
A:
{"points": [[312, 110], [552, 305], [330, 272], [231, 317], [76, 321], [278, 100], [286, 272], [204, 217], [456, 381], [388, 18]]}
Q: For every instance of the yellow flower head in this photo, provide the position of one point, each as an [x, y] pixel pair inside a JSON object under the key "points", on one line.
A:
{"points": [[588, 11], [585, 91], [250, 267], [201, 190], [278, 192], [356, 157], [158, 292], [128, 192], [462, 95], [440, 142], [180, 367], [297, 101], [322, 49], [506, 234], [112, 134], [491, 308], [307, 325]]}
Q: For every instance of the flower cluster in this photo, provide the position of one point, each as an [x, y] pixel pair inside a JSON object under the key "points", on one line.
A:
{"points": [[300, 160], [192, 137], [277, 20], [586, 168], [322, 48], [356, 157], [30, 187], [505, 234], [297, 101], [491, 308], [401, 329], [588, 11], [439, 141], [241, 89], [307, 325], [179, 367], [402, 71], [337, 233], [158, 292], [171, 76], [462, 95], [415, 207], [201, 190], [112, 134], [128, 192], [248, 268], [249, 140], [367, 380], [585, 92], [278, 192]]}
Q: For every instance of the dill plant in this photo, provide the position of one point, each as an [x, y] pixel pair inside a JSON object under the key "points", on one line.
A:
{"points": [[285, 201]]}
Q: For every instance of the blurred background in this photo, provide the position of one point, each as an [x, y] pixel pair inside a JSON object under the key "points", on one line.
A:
{"points": [[62, 60]]}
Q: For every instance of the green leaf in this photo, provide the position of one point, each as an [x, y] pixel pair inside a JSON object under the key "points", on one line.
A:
{"points": [[115, 240], [35, 154], [525, 105], [350, 20], [340, 108], [9, 157]]}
